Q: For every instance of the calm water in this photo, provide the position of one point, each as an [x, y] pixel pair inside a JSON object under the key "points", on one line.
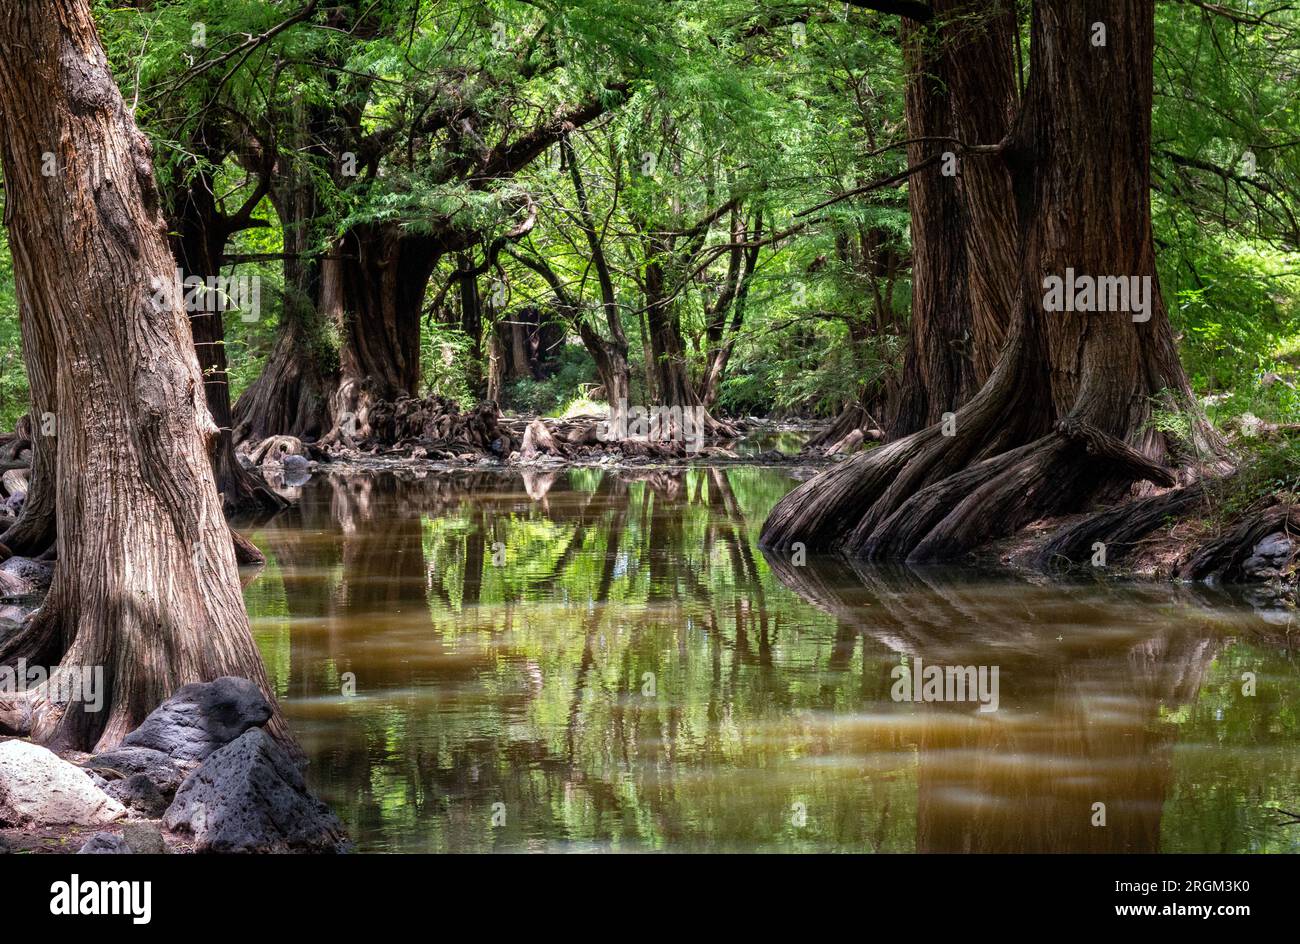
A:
{"points": [[587, 660]]}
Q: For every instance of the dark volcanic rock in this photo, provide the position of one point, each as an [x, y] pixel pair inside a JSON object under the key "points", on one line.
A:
{"points": [[202, 717], [161, 770], [105, 844], [140, 794], [1269, 556], [249, 797]]}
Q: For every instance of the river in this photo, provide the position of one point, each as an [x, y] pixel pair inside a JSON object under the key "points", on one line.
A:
{"points": [[597, 660]]}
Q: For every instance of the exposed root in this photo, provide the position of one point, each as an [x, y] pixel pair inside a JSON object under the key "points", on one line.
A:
{"points": [[1119, 529], [38, 642], [920, 526], [932, 497], [1221, 560]]}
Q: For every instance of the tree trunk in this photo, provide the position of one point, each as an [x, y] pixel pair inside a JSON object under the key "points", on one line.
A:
{"points": [[34, 532], [383, 276], [521, 364], [731, 302], [146, 586], [1064, 416], [496, 362], [961, 85], [291, 397], [471, 321], [672, 374], [198, 241]]}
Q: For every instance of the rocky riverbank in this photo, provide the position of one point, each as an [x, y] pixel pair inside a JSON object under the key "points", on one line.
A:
{"points": [[200, 774]]}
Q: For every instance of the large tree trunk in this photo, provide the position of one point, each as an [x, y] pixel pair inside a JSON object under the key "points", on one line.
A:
{"points": [[198, 239], [1063, 418], [383, 276], [146, 584], [962, 88], [672, 373], [291, 396], [33, 534]]}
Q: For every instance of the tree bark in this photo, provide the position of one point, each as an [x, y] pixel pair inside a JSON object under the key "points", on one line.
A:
{"points": [[199, 234], [1064, 416], [33, 534], [146, 585], [961, 90], [291, 396], [383, 275]]}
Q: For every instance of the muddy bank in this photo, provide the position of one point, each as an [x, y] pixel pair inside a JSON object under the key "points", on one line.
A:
{"points": [[1259, 551]]}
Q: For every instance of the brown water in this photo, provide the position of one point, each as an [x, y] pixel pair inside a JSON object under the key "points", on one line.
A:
{"points": [[588, 660]]}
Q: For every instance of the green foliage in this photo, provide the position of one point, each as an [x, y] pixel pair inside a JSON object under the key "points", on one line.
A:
{"points": [[13, 377], [1268, 473], [765, 107], [550, 397], [445, 358]]}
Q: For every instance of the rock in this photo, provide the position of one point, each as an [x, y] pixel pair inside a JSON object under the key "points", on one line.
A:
{"points": [[1276, 547], [202, 717], [6, 846], [105, 844], [12, 585], [249, 797], [37, 787], [1269, 556], [15, 614], [293, 463], [161, 770], [144, 838], [139, 793], [37, 573]]}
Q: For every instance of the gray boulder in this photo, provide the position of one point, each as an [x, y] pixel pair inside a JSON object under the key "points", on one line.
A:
{"points": [[105, 844], [161, 770], [144, 838], [1269, 557], [250, 797], [202, 717], [139, 793], [12, 585], [37, 787], [37, 574]]}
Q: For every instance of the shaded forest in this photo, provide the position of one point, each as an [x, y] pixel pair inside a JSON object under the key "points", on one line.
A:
{"points": [[1006, 268]]}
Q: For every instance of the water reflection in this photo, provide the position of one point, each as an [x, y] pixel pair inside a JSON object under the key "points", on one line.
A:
{"points": [[578, 659]]}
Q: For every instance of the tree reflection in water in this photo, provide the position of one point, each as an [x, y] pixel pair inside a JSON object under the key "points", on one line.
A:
{"points": [[635, 674]]}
